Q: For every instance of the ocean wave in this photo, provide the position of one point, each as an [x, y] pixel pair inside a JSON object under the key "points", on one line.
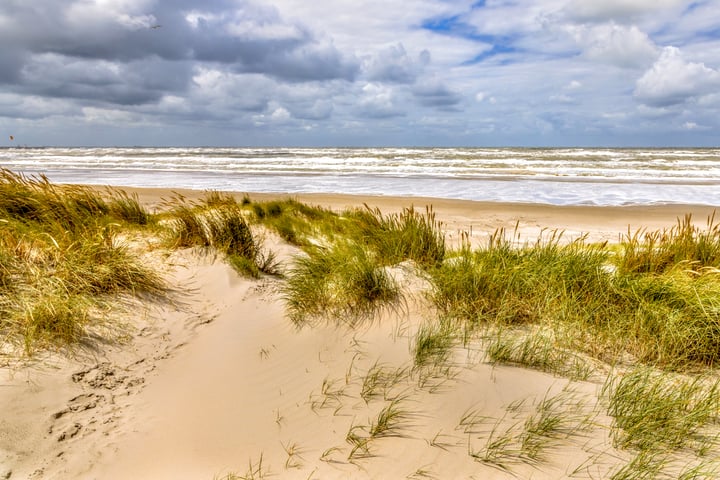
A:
{"points": [[556, 176]]}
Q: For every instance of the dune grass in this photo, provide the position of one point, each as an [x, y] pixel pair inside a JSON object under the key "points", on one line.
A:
{"points": [[539, 349], [651, 301], [408, 235], [60, 259], [433, 344], [344, 274], [342, 282], [219, 222], [295, 222], [670, 319], [663, 411], [660, 251]]}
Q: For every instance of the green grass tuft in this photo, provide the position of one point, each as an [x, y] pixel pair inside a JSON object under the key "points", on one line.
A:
{"points": [[224, 228], [408, 235], [60, 260], [654, 410], [342, 282], [658, 252]]}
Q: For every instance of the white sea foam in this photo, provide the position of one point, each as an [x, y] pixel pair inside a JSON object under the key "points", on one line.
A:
{"points": [[555, 176]]}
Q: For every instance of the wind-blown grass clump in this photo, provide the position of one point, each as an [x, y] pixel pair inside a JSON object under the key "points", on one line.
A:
{"points": [[393, 238], [537, 349], [60, 260], [505, 284], [661, 251], [670, 319], [433, 343], [296, 222], [409, 235], [224, 228], [66, 207], [653, 410], [343, 282]]}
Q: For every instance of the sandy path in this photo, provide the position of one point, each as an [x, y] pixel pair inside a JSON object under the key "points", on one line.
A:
{"points": [[251, 386]]}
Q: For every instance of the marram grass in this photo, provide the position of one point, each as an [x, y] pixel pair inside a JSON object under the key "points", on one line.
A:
{"points": [[654, 410], [670, 318], [60, 260], [220, 223], [342, 282]]}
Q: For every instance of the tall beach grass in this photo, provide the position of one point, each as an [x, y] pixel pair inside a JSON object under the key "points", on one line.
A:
{"points": [[60, 258]]}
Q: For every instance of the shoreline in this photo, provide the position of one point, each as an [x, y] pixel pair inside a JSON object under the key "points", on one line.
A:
{"points": [[600, 223]]}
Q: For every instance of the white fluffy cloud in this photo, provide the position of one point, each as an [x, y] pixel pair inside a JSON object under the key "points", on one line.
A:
{"points": [[673, 80], [618, 45]]}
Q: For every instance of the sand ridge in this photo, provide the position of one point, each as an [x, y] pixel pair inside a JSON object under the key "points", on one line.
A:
{"points": [[218, 381]]}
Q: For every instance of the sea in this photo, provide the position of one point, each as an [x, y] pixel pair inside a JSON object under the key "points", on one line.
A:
{"points": [[555, 176]]}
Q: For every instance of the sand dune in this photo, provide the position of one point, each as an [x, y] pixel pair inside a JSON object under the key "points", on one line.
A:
{"points": [[218, 381]]}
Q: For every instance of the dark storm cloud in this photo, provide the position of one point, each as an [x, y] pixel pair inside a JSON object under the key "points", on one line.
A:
{"points": [[134, 52], [11, 62], [132, 83], [435, 94], [393, 64]]}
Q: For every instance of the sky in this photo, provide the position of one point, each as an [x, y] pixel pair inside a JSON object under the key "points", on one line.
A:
{"points": [[360, 73]]}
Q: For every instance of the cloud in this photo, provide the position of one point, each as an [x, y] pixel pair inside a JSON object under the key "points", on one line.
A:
{"points": [[573, 85], [248, 37], [219, 91], [618, 45], [673, 80], [393, 64], [618, 10], [320, 109], [131, 83], [562, 99], [434, 93], [292, 71], [379, 101]]}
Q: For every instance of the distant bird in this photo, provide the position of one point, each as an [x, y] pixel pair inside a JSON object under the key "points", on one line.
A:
{"points": [[156, 26], [12, 138]]}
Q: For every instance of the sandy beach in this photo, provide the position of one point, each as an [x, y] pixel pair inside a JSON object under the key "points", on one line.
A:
{"points": [[218, 383]]}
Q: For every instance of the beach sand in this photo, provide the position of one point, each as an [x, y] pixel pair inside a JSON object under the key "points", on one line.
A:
{"points": [[218, 381]]}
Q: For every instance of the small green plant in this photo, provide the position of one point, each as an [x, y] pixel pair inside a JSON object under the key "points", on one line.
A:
{"points": [[554, 418], [433, 343], [331, 395], [294, 455], [255, 471], [420, 473], [380, 381], [359, 441], [646, 465], [653, 410], [438, 442], [500, 450], [470, 420], [389, 421], [537, 349]]}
